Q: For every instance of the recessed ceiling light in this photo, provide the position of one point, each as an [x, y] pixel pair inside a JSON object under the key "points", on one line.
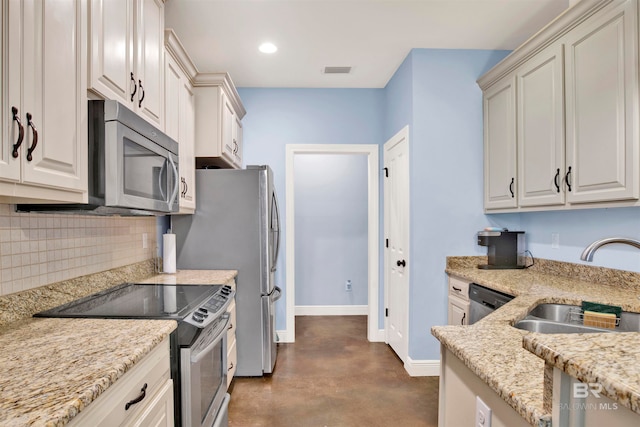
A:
{"points": [[268, 48]]}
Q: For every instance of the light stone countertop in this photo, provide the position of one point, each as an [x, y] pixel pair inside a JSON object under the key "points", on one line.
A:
{"points": [[50, 369], [511, 361]]}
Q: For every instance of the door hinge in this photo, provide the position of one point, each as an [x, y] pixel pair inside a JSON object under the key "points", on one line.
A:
{"points": [[386, 172], [386, 312], [386, 242]]}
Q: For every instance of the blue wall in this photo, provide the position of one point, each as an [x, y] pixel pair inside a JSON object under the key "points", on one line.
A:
{"points": [[277, 117], [445, 146], [331, 217]]}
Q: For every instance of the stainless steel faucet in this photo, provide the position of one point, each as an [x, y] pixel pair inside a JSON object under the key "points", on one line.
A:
{"points": [[587, 254]]}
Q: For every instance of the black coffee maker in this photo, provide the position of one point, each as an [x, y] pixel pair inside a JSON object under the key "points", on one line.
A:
{"points": [[505, 249]]}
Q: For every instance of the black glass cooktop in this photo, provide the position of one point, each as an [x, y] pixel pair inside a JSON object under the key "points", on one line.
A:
{"points": [[137, 301]]}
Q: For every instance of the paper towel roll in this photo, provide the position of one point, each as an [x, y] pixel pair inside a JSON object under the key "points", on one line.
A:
{"points": [[168, 253]]}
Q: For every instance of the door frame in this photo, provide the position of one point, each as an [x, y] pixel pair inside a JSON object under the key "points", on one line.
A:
{"points": [[372, 153], [402, 137]]}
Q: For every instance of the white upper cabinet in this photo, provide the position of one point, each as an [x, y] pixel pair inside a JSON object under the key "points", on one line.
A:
{"points": [[126, 48], [602, 107], [500, 145], [180, 115], [577, 112], [44, 126], [219, 113], [540, 125]]}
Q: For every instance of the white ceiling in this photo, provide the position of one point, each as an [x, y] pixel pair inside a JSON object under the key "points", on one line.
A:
{"points": [[372, 36]]}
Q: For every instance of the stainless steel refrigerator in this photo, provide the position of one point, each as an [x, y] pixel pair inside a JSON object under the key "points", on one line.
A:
{"points": [[236, 226]]}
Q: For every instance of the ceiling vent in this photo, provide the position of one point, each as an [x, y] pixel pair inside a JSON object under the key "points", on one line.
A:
{"points": [[337, 70]]}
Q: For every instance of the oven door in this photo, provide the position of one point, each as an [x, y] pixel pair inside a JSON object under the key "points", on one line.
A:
{"points": [[140, 174], [204, 375]]}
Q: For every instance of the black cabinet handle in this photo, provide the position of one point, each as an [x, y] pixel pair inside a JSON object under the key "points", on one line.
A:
{"points": [[230, 367], [142, 395], [457, 289], [35, 137], [567, 177], [555, 180], [142, 92], [463, 317], [513, 180], [135, 87], [18, 143], [230, 328], [401, 263]]}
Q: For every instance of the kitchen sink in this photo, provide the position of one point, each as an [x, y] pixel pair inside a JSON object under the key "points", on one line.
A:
{"points": [[567, 319]]}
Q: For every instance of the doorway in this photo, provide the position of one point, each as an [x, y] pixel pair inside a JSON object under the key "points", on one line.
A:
{"points": [[372, 269]]}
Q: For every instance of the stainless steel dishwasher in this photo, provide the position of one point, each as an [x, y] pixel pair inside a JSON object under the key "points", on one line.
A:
{"points": [[484, 301]]}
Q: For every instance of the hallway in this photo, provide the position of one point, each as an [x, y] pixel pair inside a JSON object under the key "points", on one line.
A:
{"points": [[333, 377]]}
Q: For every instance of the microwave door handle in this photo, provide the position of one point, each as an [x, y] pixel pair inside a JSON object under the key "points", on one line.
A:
{"points": [[176, 184], [164, 165]]}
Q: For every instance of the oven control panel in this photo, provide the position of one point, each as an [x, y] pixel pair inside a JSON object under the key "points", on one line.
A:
{"points": [[211, 309]]}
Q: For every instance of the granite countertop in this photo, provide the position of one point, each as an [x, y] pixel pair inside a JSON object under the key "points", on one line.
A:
{"points": [[50, 369], [512, 361]]}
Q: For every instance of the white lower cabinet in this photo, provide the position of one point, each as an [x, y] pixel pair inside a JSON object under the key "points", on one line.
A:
{"points": [[458, 307], [142, 397], [458, 390], [576, 404]]}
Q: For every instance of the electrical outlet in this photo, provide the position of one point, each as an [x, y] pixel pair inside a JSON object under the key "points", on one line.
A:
{"points": [[145, 241], [555, 240], [483, 413], [347, 286]]}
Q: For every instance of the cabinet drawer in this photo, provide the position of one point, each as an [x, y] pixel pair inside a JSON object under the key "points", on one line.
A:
{"points": [[459, 288], [232, 361], [109, 409]]}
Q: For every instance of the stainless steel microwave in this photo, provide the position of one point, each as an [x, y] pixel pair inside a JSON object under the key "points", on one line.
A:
{"points": [[133, 166]]}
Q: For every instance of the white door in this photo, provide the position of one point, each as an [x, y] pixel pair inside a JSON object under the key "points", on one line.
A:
{"points": [[396, 214]]}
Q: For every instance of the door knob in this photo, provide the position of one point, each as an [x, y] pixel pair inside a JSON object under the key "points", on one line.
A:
{"points": [[401, 263]]}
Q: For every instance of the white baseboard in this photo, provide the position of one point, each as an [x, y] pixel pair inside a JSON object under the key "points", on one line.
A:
{"points": [[379, 336], [283, 336], [422, 368], [332, 310]]}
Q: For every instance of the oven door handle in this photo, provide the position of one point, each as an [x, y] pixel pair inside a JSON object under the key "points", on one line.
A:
{"points": [[219, 333]]}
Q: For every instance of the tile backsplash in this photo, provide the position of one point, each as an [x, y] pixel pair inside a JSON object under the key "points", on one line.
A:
{"points": [[40, 249]]}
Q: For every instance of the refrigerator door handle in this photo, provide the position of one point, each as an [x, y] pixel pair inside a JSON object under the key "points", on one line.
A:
{"points": [[275, 226], [276, 294]]}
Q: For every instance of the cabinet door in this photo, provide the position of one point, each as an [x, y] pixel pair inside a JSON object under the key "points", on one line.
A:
{"points": [[237, 140], [601, 93], [172, 87], [11, 72], [458, 312], [158, 412], [54, 99], [111, 44], [500, 145], [149, 60], [228, 123], [187, 143], [540, 128]]}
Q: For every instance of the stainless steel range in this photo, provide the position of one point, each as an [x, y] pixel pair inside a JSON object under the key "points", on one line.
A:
{"points": [[198, 345]]}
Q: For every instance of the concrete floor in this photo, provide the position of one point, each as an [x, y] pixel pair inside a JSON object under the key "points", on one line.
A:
{"points": [[333, 377]]}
